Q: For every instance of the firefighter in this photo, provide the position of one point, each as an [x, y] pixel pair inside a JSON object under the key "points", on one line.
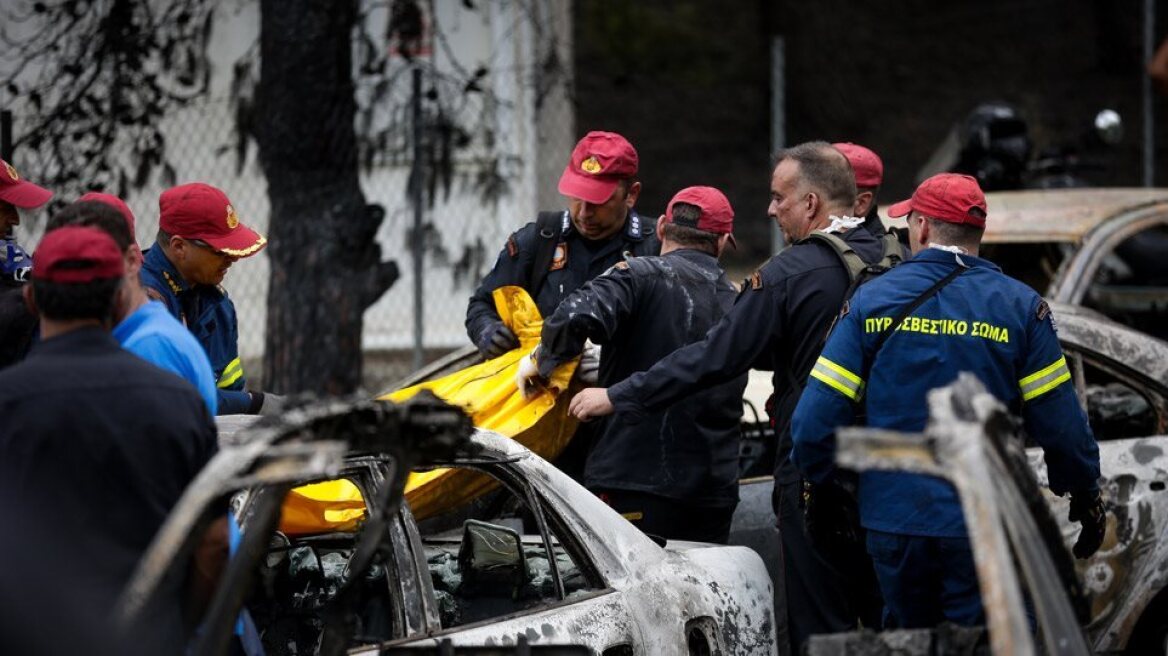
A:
{"points": [[778, 323], [560, 251], [944, 311], [199, 237], [673, 474]]}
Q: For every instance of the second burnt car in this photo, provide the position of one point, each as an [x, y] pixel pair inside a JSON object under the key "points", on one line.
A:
{"points": [[540, 561]]}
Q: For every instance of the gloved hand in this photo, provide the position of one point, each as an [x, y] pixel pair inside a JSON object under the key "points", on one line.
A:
{"points": [[527, 377], [273, 404], [589, 369], [1087, 509], [495, 340]]}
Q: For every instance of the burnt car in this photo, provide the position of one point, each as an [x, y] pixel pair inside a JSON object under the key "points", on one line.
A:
{"points": [[1121, 376], [1099, 248], [540, 561]]}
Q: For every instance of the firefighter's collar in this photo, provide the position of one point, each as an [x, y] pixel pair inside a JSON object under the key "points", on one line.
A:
{"points": [[633, 224], [157, 260]]}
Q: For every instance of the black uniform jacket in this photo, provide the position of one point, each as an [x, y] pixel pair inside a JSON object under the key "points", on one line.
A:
{"points": [[576, 261], [640, 311], [99, 444], [779, 322]]}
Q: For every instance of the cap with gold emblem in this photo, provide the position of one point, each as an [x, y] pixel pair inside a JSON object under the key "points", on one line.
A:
{"points": [[200, 211], [20, 193], [599, 161]]}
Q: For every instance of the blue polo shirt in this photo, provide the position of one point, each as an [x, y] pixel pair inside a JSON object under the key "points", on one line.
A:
{"points": [[151, 333]]}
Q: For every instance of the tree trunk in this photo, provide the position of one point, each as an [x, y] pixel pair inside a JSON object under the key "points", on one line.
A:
{"points": [[326, 267]]}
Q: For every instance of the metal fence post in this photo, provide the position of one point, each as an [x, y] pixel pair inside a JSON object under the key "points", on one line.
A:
{"points": [[416, 198]]}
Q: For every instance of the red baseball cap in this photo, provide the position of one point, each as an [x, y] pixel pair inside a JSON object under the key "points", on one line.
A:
{"points": [[716, 214], [950, 197], [867, 165], [114, 202], [599, 161], [77, 254], [20, 193], [200, 211]]}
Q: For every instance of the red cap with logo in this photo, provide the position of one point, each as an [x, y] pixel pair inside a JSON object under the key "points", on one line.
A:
{"points": [[114, 202], [949, 197], [716, 214], [20, 193], [867, 165], [77, 255], [200, 211], [599, 161]]}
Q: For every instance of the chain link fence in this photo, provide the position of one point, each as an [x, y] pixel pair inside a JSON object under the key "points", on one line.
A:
{"points": [[519, 130]]}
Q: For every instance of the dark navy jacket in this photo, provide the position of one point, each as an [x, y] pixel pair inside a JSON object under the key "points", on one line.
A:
{"points": [[778, 323], [577, 260], [983, 322], [639, 312], [210, 315]]}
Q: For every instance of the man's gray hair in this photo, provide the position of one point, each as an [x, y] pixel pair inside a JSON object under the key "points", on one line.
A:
{"points": [[825, 170]]}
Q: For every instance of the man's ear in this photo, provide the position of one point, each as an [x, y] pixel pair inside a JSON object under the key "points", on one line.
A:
{"points": [[813, 202], [661, 228], [723, 241], [863, 203], [633, 193], [29, 299], [133, 258]]}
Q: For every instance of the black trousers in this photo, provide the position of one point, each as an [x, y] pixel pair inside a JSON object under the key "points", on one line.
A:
{"points": [[668, 518], [825, 592]]}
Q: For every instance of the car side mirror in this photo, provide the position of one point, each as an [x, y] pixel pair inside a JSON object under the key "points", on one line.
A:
{"points": [[491, 556]]}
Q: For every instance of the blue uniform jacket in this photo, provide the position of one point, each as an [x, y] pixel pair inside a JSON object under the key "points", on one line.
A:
{"points": [[983, 322], [210, 316], [777, 323], [576, 261], [640, 311]]}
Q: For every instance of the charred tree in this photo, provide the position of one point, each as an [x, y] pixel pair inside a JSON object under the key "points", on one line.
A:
{"points": [[326, 266]]}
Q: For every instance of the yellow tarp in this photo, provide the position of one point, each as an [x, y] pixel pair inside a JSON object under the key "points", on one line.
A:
{"points": [[488, 393], [328, 506]]}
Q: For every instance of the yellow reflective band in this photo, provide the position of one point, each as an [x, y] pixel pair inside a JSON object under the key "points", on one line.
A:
{"points": [[838, 378], [1045, 379], [231, 373]]}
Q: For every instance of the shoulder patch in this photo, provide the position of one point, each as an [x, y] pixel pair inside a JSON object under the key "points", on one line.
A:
{"points": [[512, 246], [755, 280], [1042, 311], [154, 294], [621, 266], [845, 309], [559, 257]]}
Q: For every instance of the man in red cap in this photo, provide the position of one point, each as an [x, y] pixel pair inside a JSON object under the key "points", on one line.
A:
{"points": [[143, 327], [554, 255], [913, 330], [684, 487], [199, 237], [17, 325], [869, 171], [99, 442]]}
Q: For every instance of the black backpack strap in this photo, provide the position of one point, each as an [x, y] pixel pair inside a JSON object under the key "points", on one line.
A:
{"points": [[548, 227], [917, 302]]}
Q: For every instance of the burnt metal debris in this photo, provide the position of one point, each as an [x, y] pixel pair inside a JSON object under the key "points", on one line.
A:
{"points": [[972, 442]]}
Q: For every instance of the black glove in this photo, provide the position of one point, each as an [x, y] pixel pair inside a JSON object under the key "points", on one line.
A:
{"points": [[1087, 509], [496, 339], [832, 517]]}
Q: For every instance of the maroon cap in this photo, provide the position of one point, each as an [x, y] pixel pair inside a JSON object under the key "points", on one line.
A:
{"points": [[20, 193], [867, 165], [77, 254], [599, 161], [950, 197], [114, 202], [200, 211]]}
